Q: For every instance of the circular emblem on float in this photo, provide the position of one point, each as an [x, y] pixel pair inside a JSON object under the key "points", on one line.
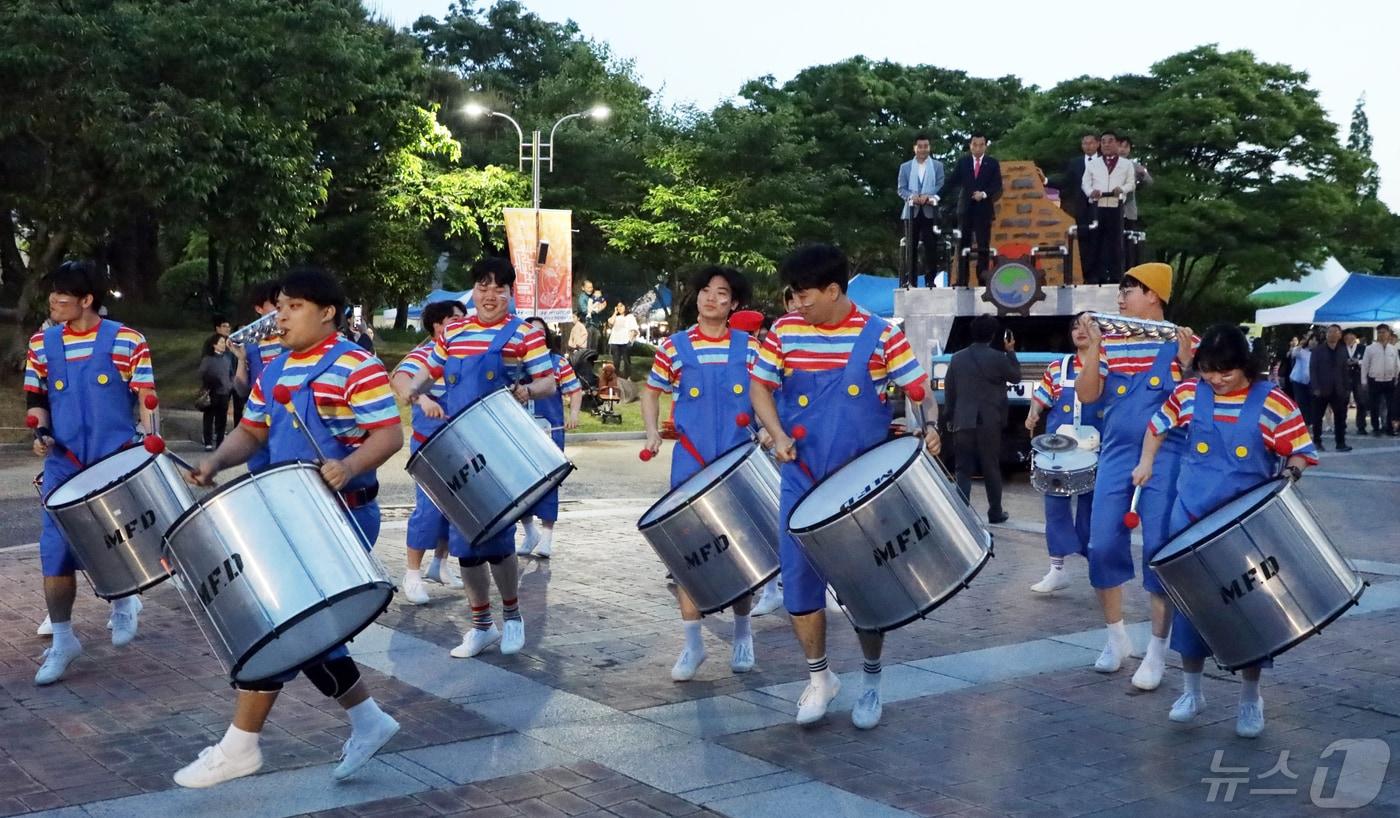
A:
{"points": [[1014, 286]]}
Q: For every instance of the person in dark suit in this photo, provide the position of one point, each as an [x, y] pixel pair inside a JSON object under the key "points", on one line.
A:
{"points": [[975, 398], [1329, 375], [978, 180], [1356, 351], [1074, 202]]}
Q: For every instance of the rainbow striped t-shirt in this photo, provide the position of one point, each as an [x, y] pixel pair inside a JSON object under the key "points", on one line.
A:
{"points": [[130, 355], [1279, 420], [795, 345], [666, 366], [352, 397]]}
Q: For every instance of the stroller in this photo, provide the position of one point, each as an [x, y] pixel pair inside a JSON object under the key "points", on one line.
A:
{"points": [[582, 360]]}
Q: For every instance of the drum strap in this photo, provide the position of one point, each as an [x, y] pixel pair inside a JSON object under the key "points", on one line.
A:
{"points": [[1067, 381]]}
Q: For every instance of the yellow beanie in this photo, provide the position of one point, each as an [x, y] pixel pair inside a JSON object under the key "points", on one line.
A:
{"points": [[1156, 276]]}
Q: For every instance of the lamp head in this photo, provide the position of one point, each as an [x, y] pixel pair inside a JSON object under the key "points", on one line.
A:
{"points": [[475, 110], [600, 112]]}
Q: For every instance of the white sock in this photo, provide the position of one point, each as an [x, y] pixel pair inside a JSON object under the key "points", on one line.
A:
{"points": [[546, 533], [1057, 563], [239, 743], [1192, 682], [1249, 691], [1156, 650], [364, 715], [871, 674], [742, 629], [1118, 634], [693, 641], [412, 574], [64, 640]]}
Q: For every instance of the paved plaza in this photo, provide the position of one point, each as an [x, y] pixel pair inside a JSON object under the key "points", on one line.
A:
{"points": [[991, 704]]}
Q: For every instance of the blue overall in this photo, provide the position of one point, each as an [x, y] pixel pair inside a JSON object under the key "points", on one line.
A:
{"points": [[1222, 461], [286, 443], [426, 525], [90, 408], [552, 410], [706, 403], [469, 377], [1067, 527], [844, 416], [259, 459], [1131, 402]]}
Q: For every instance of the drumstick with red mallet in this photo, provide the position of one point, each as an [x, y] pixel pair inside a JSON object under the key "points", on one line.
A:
{"points": [[154, 443], [283, 395], [40, 432], [1132, 519]]}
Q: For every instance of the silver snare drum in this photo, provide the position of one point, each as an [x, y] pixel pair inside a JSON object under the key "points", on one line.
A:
{"points": [[1257, 575], [279, 571], [487, 466], [113, 514], [891, 535], [717, 532], [1064, 474]]}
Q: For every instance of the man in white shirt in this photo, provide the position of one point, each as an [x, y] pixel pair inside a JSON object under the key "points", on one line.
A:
{"points": [[622, 331], [920, 180], [1380, 365], [1107, 179]]}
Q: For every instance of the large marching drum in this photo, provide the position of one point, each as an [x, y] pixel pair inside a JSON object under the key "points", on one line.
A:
{"points": [[1257, 575], [113, 514], [717, 532], [488, 465], [891, 535]]}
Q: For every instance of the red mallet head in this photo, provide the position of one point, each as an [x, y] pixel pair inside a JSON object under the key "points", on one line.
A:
{"points": [[645, 455], [154, 444], [749, 321], [916, 393], [151, 401], [32, 421], [1132, 519], [1284, 448], [799, 432], [281, 394], [743, 419]]}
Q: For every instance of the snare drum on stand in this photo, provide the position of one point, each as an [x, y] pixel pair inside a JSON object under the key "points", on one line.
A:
{"points": [[717, 532], [1257, 575], [1061, 468], [891, 535], [113, 514]]}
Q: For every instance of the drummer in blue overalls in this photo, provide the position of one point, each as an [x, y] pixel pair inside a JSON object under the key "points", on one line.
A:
{"points": [[427, 527], [1066, 518], [263, 298], [1236, 429], [538, 523], [489, 350], [342, 394], [1134, 375], [82, 377], [828, 362], [706, 371]]}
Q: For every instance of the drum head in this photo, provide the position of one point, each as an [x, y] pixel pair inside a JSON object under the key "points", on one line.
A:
{"points": [[1050, 444], [446, 423], [695, 485], [99, 476], [855, 483], [1073, 460], [1210, 526], [305, 638]]}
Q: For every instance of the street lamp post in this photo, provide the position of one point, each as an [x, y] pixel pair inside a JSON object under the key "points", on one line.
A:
{"points": [[535, 150]]}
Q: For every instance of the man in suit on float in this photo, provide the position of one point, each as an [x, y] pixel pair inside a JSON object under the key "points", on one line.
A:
{"points": [[978, 180], [920, 179]]}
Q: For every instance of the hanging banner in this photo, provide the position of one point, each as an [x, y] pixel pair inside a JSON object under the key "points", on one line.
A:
{"points": [[543, 289]]}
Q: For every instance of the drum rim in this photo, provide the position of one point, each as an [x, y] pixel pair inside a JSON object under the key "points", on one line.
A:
{"points": [[1279, 484], [123, 595], [683, 506], [283, 627], [563, 473], [894, 478], [200, 504], [102, 489], [448, 421], [1309, 633], [708, 611], [965, 583]]}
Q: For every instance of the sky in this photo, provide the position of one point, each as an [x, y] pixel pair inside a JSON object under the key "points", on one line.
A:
{"points": [[702, 52]]}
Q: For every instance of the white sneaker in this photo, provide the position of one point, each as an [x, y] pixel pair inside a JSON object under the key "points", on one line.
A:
{"points": [[542, 550], [443, 574], [215, 767], [527, 543], [1188, 707], [414, 591], [475, 641], [769, 600], [815, 699], [1053, 581], [689, 662], [868, 709], [1112, 657], [55, 664], [514, 638], [359, 749], [1250, 721], [45, 627], [123, 625], [741, 660], [1149, 673]]}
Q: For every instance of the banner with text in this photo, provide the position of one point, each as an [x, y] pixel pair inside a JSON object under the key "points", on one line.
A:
{"points": [[543, 289]]}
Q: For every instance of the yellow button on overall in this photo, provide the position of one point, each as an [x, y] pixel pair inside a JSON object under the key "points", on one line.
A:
{"points": [[295, 425], [58, 385], [1154, 381], [451, 378], [802, 400], [1064, 409], [490, 375], [102, 378], [1122, 390], [1202, 447], [1241, 451], [853, 390], [738, 389], [695, 391]]}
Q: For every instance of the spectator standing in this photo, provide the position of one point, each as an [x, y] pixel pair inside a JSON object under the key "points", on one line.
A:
{"points": [[1131, 221], [1355, 351], [978, 179], [1381, 366], [977, 405], [920, 180], [1327, 372], [216, 378], [1299, 377], [237, 397], [1073, 200], [1107, 180], [622, 331]]}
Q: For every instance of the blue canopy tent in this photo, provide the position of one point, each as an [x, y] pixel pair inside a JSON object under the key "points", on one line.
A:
{"points": [[1360, 299], [875, 293]]}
